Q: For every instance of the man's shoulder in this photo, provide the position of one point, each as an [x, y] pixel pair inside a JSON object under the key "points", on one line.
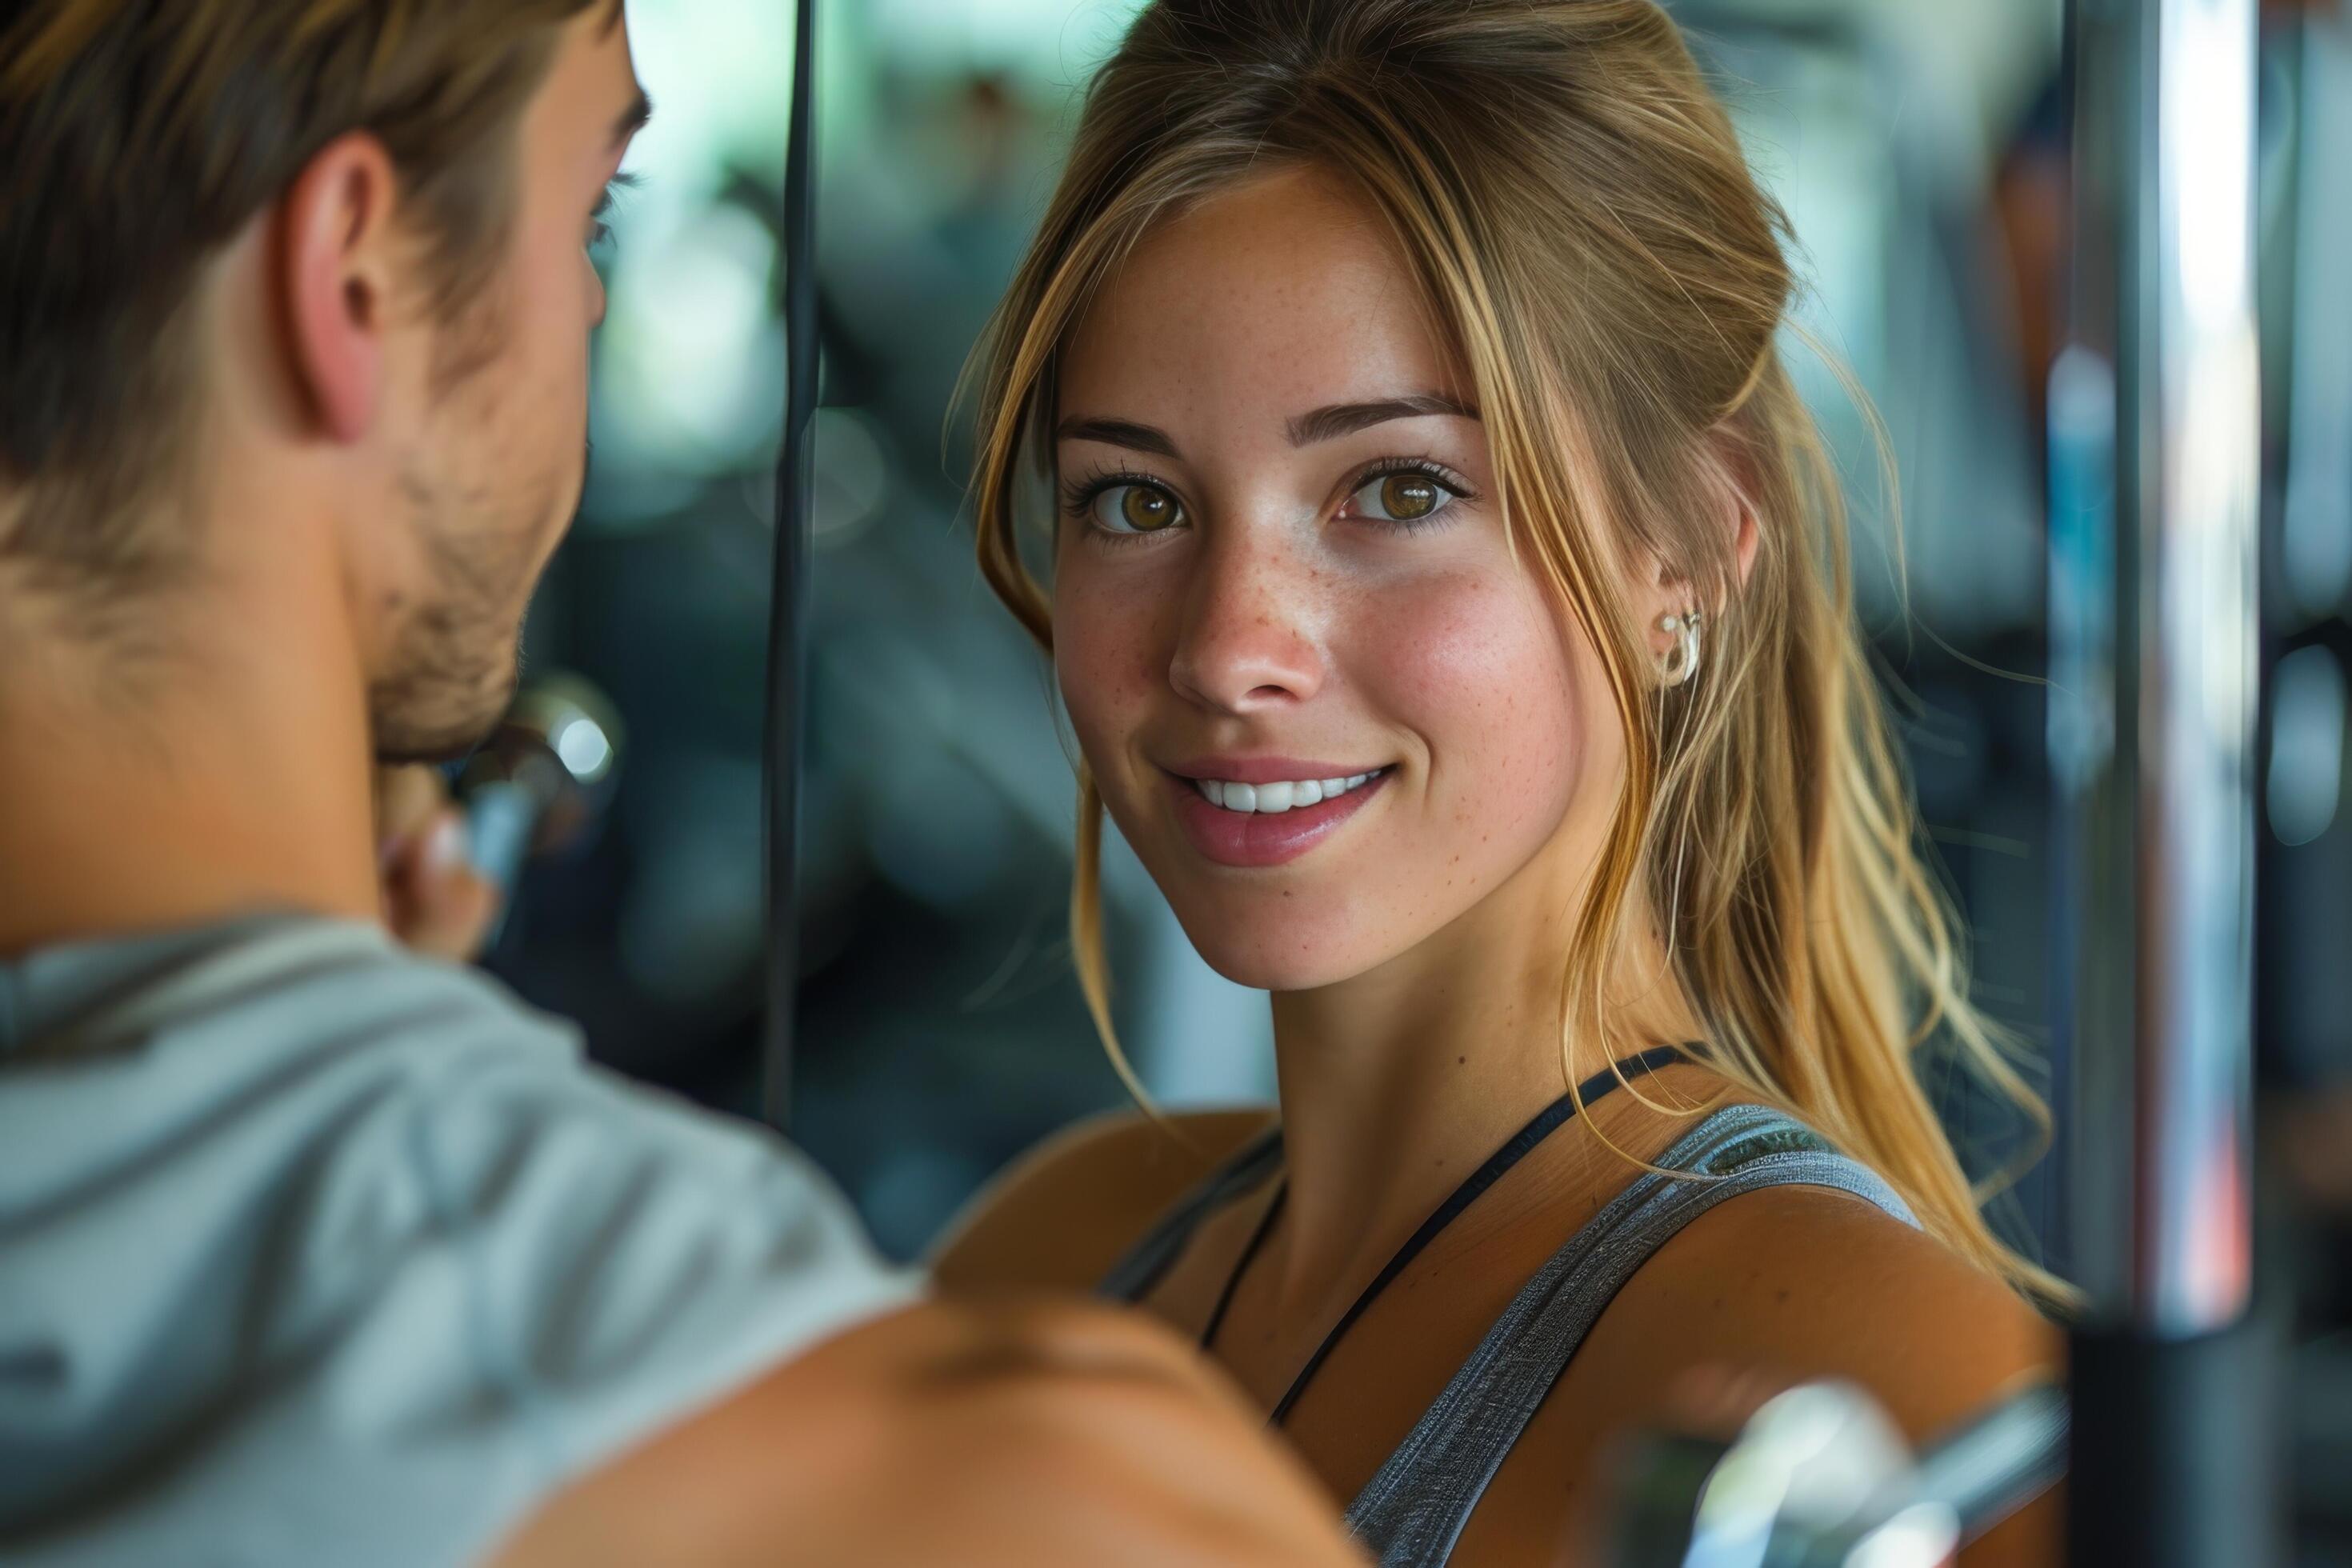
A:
{"points": [[263, 984], [1063, 1214], [440, 1096], [430, 1216]]}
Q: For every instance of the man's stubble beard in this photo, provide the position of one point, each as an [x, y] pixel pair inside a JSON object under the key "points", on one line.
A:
{"points": [[456, 657], [481, 535]]}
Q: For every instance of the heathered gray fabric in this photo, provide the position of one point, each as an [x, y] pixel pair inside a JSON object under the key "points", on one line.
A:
{"points": [[314, 1251]]}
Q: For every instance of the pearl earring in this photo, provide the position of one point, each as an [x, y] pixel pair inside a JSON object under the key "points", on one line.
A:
{"points": [[1682, 659]]}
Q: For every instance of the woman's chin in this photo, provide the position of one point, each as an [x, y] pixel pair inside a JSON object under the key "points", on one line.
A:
{"points": [[1275, 960]]}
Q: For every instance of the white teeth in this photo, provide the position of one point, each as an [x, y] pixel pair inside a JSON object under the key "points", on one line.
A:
{"points": [[1279, 796]]}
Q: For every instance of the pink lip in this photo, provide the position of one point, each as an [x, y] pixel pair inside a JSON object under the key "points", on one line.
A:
{"points": [[1251, 838]]}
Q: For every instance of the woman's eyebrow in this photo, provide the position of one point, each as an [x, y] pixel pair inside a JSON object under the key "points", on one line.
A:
{"points": [[1346, 418], [1324, 423], [1119, 432]]}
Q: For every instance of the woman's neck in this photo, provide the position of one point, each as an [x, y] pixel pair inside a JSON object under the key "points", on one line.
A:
{"points": [[1398, 1083]]}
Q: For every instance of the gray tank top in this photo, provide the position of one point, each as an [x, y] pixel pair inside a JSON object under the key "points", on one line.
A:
{"points": [[1410, 1513]]}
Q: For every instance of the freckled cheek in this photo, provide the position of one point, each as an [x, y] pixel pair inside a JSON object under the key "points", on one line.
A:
{"points": [[1480, 672], [1108, 658]]}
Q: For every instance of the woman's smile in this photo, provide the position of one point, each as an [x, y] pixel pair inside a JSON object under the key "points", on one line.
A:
{"points": [[1266, 811]]}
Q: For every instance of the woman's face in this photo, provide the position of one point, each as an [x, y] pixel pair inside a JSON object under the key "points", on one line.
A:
{"points": [[1322, 702]]}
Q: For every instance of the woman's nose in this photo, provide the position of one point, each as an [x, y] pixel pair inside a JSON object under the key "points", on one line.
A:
{"points": [[1249, 639]]}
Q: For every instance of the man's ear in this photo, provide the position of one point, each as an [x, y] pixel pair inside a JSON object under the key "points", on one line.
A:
{"points": [[336, 258]]}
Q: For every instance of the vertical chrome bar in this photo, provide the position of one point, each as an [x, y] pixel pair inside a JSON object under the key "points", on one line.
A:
{"points": [[2196, 517], [2154, 607]]}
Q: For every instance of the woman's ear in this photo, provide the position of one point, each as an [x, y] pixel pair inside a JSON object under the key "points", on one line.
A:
{"points": [[335, 240], [1734, 488], [1665, 594]]}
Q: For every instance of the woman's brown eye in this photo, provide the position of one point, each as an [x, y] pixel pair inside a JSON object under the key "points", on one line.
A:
{"points": [[1408, 496], [1146, 510], [1136, 508], [1405, 496]]}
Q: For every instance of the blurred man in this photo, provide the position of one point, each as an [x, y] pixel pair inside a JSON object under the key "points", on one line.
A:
{"points": [[313, 1249]]}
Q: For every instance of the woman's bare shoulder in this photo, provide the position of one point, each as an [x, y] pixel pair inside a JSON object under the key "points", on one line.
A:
{"points": [[1790, 1283], [1820, 1283], [1063, 1214]]}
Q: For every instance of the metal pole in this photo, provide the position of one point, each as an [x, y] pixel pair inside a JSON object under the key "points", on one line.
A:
{"points": [[788, 612], [2197, 517], [2159, 619]]}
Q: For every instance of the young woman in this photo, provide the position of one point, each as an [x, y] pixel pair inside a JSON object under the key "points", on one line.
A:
{"points": [[1449, 596]]}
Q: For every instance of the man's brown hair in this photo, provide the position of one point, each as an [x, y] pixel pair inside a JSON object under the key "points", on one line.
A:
{"points": [[137, 138]]}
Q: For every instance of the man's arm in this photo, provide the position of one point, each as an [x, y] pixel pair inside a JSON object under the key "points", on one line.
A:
{"points": [[944, 1433]]}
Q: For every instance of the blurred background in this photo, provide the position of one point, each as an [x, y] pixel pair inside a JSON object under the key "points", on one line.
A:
{"points": [[1923, 151]]}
